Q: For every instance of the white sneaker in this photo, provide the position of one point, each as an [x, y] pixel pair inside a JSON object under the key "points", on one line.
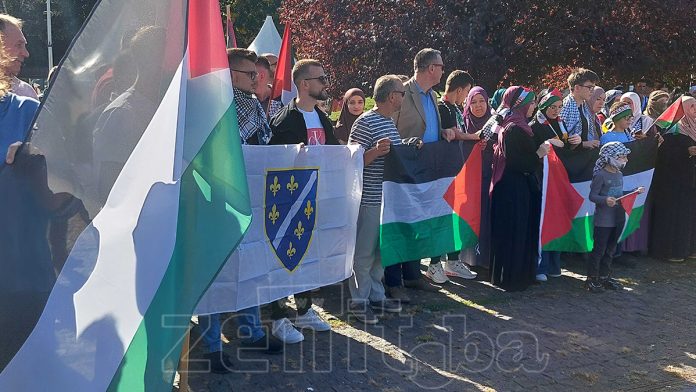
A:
{"points": [[286, 332], [458, 269], [312, 321], [436, 273], [541, 278]]}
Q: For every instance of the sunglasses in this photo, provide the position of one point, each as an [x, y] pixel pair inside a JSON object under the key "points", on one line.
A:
{"points": [[323, 79], [251, 74]]}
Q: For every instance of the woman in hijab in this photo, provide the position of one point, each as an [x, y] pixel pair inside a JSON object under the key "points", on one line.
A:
{"points": [[515, 193], [673, 235], [497, 98], [657, 104], [477, 111], [640, 123], [596, 104], [353, 106], [611, 96], [639, 240], [547, 126]]}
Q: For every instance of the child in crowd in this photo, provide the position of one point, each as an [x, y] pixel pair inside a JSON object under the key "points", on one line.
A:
{"points": [[615, 128], [609, 217]]}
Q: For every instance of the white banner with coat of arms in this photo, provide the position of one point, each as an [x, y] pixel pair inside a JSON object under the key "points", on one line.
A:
{"points": [[305, 204]]}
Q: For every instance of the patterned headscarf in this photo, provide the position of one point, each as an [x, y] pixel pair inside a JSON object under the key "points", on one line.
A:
{"points": [[615, 115], [473, 124], [549, 97], [609, 150], [609, 100]]}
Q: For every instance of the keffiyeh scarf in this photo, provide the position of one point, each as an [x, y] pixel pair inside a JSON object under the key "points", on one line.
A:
{"points": [[610, 150], [252, 118]]}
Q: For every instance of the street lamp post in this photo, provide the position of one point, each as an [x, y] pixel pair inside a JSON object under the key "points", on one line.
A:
{"points": [[49, 34]]}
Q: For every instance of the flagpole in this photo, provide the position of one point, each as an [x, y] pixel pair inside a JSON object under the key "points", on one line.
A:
{"points": [[49, 34], [228, 17], [628, 194]]}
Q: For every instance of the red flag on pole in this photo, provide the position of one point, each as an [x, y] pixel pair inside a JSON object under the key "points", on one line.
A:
{"points": [[283, 87], [231, 39]]}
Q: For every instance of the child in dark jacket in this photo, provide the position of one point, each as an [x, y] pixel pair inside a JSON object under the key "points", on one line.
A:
{"points": [[609, 218]]}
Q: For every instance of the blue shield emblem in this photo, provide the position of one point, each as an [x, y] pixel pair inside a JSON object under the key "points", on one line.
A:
{"points": [[290, 211]]}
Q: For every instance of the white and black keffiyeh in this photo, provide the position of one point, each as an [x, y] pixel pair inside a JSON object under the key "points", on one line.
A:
{"points": [[610, 150], [570, 115], [251, 118]]}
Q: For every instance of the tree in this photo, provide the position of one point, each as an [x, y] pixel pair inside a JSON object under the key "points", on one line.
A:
{"points": [[501, 42], [67, 18], [248, 17]]}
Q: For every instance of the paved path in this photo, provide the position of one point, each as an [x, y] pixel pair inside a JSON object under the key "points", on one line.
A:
{"points": [[473, 337]]}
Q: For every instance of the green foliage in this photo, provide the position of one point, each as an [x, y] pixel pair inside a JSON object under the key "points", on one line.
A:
{"points": [[248, 17]]}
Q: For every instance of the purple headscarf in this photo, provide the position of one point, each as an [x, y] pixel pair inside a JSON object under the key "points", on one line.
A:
{"points": [[516, 102], [473, 124]]}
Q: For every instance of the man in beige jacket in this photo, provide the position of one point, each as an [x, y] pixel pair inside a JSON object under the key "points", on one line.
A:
{"points": [[419, 118]]}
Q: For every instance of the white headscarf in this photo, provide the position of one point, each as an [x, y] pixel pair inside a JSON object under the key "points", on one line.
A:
{"points": [[640, 123]]}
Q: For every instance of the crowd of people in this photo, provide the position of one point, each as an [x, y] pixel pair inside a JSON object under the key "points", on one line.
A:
{"points": [[515, 128]]}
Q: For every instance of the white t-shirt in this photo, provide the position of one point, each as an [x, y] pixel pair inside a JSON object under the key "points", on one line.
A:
{"points": [[315, 131]]}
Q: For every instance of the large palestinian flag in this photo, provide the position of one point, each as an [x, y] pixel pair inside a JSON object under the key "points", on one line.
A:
{"points": [[431, 200], [123, 212], [567, 212]]}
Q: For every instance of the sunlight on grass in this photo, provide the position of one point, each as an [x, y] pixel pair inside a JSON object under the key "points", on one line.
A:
{"points": [[474, 305]]}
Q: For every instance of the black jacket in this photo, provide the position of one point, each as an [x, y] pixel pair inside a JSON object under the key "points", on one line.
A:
{"points": [[289, 127]]}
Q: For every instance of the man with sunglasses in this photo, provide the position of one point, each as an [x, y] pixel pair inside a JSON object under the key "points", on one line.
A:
{"points": [[302, 122], [418, 118], [576, 114], [253, 123]]}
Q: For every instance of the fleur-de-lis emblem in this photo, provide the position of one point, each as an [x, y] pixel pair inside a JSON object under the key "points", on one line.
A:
{"points": [[274, 214], [291, 251], [275, 187], [309, 209], [292, 185], [299, 230]]}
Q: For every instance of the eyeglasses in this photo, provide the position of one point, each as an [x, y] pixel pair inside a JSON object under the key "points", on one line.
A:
{"points": [[438, 65], [590, 87], [403, 93], [251, 74], [323, 79]]}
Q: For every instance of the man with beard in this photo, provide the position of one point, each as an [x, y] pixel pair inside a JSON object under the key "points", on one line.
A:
{"points": [[302, 122]]}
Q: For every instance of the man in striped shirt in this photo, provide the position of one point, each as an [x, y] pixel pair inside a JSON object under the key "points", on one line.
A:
{"points": [[375, 132]]}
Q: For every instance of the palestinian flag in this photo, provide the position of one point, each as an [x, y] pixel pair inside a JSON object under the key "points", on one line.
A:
{"points": [[431, 200], [135, 206], [567, 212], [669, 119], [284, 88]]}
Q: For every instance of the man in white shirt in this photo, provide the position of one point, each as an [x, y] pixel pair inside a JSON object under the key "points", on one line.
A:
{"points": [[15, 46]]}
